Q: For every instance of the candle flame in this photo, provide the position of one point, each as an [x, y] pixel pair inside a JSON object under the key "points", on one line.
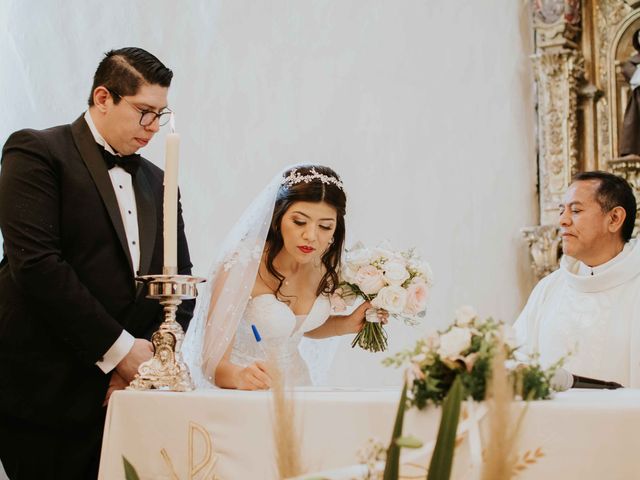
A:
{"points": [[172, 123]]}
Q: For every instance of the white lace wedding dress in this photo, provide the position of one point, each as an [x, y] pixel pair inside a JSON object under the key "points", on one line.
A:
{"points": [[281, 331]]}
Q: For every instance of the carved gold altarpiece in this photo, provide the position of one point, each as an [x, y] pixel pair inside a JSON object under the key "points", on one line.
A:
{"points": [[581, 98]]}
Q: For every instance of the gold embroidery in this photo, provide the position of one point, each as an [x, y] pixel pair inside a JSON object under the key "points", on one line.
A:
{"points": [[167, 460], [193, 467], [208, 462]]}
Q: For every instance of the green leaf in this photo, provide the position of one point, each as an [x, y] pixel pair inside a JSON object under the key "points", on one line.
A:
{"points": [[442, 459], [129, 472], [408, 442], [392, 466]]}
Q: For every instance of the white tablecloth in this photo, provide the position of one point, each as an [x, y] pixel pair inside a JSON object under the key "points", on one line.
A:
{"points": [[582, 434]]}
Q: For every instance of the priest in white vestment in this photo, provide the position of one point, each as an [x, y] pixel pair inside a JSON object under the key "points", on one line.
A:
{"points": [[590, 307]]}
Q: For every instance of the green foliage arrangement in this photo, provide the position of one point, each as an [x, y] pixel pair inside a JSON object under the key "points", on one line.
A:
{"points": [[464, 351]]}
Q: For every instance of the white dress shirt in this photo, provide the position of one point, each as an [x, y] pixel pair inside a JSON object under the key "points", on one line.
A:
{"points": [[123, 188]]}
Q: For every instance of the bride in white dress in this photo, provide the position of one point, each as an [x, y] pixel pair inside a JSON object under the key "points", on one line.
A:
{"points": [[278, 268]]}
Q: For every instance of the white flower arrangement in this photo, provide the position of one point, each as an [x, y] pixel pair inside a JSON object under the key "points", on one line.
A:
{"points": [[466, 349], [397, 282]]}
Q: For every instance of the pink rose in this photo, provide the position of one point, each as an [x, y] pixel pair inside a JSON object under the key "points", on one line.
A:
{"points": [[416, 297], [369, 279]]}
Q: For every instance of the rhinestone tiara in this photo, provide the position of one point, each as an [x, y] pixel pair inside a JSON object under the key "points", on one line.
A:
{"points": [[296, 177]]}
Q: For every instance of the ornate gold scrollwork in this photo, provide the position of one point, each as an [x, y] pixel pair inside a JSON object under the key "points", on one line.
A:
{"points": [[559, 68], [581, 100], [544, 245], [558, 75]]}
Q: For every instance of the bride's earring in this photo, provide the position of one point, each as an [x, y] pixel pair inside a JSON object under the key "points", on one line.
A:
{"points": [[318, 262]]}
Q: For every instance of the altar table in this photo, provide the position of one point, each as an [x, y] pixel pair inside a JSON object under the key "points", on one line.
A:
{"points": [[228, 435]]}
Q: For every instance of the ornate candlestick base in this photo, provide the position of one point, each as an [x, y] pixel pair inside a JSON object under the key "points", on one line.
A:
{"points": [[166, 370]]}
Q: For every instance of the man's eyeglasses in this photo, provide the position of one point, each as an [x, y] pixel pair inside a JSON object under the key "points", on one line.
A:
{"points": [[147, 117]]}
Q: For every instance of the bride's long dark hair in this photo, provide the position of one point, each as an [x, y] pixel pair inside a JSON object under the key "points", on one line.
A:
{"points": [[313, 191]]}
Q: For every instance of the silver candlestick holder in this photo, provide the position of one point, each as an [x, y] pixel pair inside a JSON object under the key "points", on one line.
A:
{"points": [[166, 370]]}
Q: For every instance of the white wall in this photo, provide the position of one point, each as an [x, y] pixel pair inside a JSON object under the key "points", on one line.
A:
{"points": [[424, 106]]}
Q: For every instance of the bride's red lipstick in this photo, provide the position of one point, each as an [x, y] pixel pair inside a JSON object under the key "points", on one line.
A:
{"points": [[306, 249]]}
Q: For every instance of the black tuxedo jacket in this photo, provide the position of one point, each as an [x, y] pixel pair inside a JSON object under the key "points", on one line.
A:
{"points": [[67, 285]]}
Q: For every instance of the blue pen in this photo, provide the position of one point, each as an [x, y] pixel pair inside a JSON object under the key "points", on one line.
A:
{"points": [[256, 333], [258, 337]]}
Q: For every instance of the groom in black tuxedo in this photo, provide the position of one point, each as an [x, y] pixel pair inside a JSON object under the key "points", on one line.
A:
{"points": [[81, 216]]}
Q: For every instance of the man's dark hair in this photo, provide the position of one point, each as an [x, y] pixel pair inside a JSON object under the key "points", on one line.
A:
{"points": [[123, 71], [613, 191]]}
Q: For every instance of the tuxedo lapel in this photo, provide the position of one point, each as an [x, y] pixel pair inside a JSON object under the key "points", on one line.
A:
{"points": [[91, 156], [146, 219]]}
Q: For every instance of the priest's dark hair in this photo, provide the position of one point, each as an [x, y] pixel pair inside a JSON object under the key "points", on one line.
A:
{"points": [[125, 70], [613, 191], [310, 191]]}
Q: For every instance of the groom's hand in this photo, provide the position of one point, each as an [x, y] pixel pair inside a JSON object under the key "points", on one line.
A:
{"points": [[141, 351], [115, 383]]}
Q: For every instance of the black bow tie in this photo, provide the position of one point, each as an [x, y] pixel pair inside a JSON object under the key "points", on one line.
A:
{"points": [[129, 162]]}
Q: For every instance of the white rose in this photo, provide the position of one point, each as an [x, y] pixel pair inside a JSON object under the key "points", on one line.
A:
{"points": [[465, 315], [395, 273], [358, 255], [416, 265], [391, 298], [419, 268], [383, 251], [369, 279], [454, 342], [349, 272]]}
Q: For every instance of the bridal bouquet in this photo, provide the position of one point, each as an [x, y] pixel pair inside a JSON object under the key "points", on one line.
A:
{"points": [[465, 350], [396, 282]]}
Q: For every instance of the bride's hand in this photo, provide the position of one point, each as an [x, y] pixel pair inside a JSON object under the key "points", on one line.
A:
{"points": [[254, 377], [353, 323]]}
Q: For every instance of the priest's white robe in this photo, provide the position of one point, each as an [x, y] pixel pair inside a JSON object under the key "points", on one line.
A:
{"points": [[593, 314]]}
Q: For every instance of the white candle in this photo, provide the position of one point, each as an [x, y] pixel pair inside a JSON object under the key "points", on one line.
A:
{"points": [[170, 208]]}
